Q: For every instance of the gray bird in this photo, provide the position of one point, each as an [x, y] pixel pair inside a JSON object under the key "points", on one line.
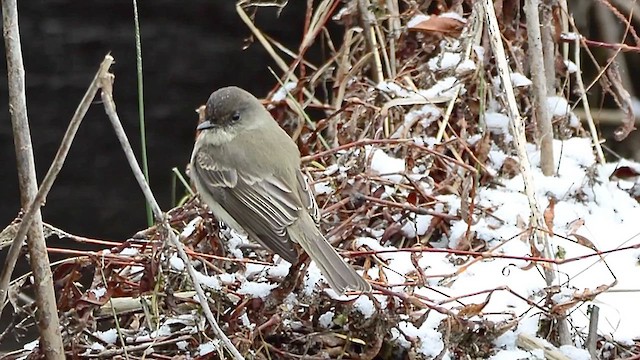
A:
{"points": [[247, 170]]}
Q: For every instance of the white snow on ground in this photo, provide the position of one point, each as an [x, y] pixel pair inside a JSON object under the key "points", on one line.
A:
{"points": [[610, 218]]}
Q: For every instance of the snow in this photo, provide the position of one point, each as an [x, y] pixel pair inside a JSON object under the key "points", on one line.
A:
{"points": [[97, 347], [282, 92], [519, 80], [393, 88], [322, 188], [443, 90], [281, 269], [208, 347], [365, 306], [110, 336], [497, 123], [570, 36], [211, 282], [386, 166], [312, 278], [446, 61], [425, 114], [191, 227], [417, 19], [465, 66], [256, 289], [453, 15], [430, 339], [326, 320], [129, 251], [99, 292], [574, 353], [610, 221], [234, 242], [559, 106], [572, 68], [176, 263], [31, 345]]}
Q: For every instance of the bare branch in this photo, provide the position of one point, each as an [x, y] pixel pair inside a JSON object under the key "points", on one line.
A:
{"points": [[110, 108], [47, 314]]}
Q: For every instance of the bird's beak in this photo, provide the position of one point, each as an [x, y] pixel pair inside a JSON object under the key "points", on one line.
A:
{"points": [[205, 125]]}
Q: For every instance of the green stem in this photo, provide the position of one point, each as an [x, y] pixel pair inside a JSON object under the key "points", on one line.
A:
{"points": [[143, 133]]}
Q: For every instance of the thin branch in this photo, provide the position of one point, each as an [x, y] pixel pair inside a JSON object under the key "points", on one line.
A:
{"points": [[592, 337], [585, 103], [368, 20], [517, 128], [110, 108], [48, 324], [33, 209], [538, 77]]}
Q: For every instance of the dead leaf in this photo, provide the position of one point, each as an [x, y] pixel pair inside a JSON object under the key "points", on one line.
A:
{"points": [[510, 168], [624, 173], [549, 215], [612, 84], [439, 24], [473, 309], [575, 225], [585, 242]]}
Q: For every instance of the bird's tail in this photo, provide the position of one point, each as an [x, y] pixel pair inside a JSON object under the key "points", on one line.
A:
{"points": [[340, 275]]}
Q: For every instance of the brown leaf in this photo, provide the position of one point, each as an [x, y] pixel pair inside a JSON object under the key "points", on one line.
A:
{"points": [[391, 230], [510, 168], [622, 98], [585, 242], [624, 173], [575, 225], [439, 24], [466, 201], [412, 198], [483, 147], [473, 309], [549, 215]]}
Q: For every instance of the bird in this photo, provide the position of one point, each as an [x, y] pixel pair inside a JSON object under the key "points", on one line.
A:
{"points": [[246, 168]]}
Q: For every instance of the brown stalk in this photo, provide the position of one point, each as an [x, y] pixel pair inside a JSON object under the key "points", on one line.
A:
{"points": [[47, 314]]}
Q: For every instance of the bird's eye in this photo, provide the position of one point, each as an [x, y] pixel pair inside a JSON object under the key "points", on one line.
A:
{"points": [[235, 116]]}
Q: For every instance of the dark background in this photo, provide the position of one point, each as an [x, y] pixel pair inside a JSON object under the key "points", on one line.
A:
{"points": [[189, 50]]}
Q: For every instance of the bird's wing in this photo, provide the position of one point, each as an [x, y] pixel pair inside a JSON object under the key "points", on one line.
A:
{"points": [[308, 200], [263, 205]]}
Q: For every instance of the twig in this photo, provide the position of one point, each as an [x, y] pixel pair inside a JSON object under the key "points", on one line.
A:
{"points": [[517, 126], [110, 108], [370, 36], [395, 29], [548, 47], [592, 337], [133, 348], [529, 342], [585, 102], [611, 33], [267, 46], [538, 76], [408, 207], [33, 209], [48, 323]]}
